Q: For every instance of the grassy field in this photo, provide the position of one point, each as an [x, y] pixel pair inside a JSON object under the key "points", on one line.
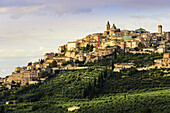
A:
{"points": [[153, 101], [130, 91]]}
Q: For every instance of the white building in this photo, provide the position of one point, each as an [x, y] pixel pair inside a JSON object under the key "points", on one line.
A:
{"points": [[160, 49], [128, 44], [168, 35], [149, 49], [71, 45], [134, 44]]}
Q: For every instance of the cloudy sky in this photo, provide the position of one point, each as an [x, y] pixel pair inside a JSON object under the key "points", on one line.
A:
{"points": [[30, 28]]}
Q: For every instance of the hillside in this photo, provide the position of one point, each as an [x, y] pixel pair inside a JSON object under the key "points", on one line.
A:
{"points": [[140, 60], [94, 90]]}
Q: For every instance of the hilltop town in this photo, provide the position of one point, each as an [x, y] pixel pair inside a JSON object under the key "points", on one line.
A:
{"points": [[90, 49]]}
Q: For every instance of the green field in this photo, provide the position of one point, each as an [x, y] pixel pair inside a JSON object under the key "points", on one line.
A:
{"points": [[97, 90], [146, 102]]}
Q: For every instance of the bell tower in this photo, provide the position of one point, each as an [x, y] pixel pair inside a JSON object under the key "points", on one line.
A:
{"points": [[160, 29], [108, 26]]}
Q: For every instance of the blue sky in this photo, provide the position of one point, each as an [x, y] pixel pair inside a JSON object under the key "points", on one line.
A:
{"points": [[30, 28]]}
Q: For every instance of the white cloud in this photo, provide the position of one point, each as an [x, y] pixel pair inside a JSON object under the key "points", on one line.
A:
{"points": [[26, 10], [3, 70], [33, 59], [4, 10], [41, 48], [60, 7], [168, 14], [24, 53], [1, 50], [18, 11], [139, 17], [20, 50]]}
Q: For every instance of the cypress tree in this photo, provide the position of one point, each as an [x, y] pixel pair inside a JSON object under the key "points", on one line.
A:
{"points": [[114, 58], [110, 74], [94, 82], [112, 64], [115, 54], [90, 92], [124, 54], [101, 81], [105, 73], [94, 86], [98, 82], [85, 92]]}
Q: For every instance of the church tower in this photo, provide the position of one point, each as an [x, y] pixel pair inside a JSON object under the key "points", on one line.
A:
{"points": [[114, 27], [160, 29], [108, 26]]}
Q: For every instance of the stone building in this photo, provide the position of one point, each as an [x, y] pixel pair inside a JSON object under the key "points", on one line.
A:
{"points": [[71, 53], [103, 52], [72, 45], [166, 60], [28, 76], [49, 55], [62, 48], [23, 76]]}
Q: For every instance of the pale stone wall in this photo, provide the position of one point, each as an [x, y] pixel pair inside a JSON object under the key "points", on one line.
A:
{"points": [[72, 45], [48, 55], [166, 55]]}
